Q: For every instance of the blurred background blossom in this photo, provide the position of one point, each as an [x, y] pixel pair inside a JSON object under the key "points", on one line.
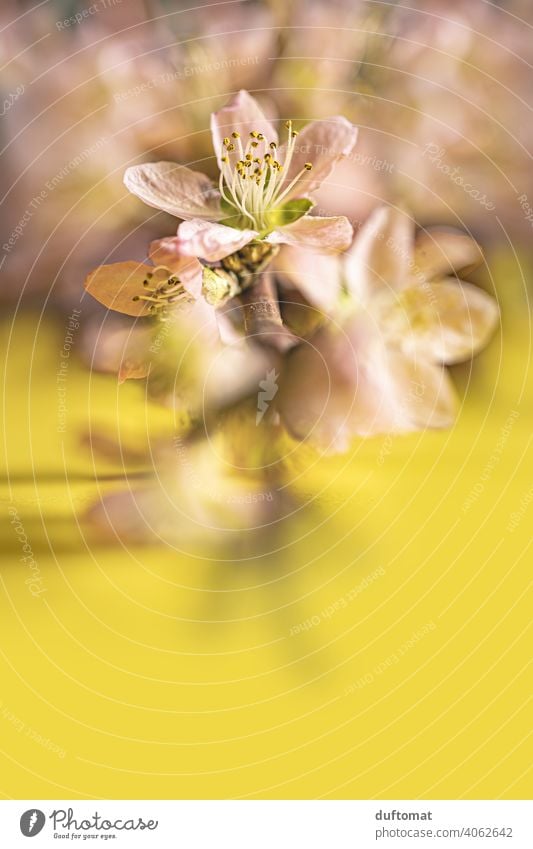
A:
{"points": [[209, 567], [440, 91]]}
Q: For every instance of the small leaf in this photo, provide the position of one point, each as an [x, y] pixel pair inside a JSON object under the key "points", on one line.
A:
{"points": [[288, 213], [117, 285]]}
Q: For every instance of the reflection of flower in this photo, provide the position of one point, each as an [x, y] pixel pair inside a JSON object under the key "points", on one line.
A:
{"points": [[378, 366], [197, 494], [263, 190]]}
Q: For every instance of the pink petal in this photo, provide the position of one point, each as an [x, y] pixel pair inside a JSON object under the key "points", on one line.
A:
{"points": [[323, 143], [243, 115], [425, 395], [211, 241], [166, 252], [120, 350], [330, 235], [439, 251], [381, 255], [348, 382], [174, 189], [116, 286], [338, 387], [316, 275], [445, 322]]}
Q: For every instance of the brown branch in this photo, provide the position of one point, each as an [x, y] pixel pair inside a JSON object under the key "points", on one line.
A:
{"points": [[262, 316]]}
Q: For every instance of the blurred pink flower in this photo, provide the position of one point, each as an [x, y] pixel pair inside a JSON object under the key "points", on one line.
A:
{"points": [[377, 366], [263, 192]]}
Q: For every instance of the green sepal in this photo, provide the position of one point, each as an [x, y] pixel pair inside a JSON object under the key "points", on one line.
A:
{"points": [[287, 213], [233, 217]]}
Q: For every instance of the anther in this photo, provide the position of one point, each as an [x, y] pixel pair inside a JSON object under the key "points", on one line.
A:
{"points": [[236, 135], [308, 166]]}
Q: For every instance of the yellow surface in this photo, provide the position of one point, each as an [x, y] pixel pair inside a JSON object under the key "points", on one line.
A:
{"points": [[161, 675]]}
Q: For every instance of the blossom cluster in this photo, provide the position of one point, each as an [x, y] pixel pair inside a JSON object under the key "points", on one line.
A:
{"points": [[354, 332]]}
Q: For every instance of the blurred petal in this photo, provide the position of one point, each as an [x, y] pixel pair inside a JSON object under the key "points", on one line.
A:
{"points": [[115, 349], [116, 286], [351, 383], [323, 143], [381, 254], [243, 115], [211, 241], [340, 386], [331, 235], [444, 322], [425, 395], [189, 270], [438, 252], [316, 275], [174, 189]]}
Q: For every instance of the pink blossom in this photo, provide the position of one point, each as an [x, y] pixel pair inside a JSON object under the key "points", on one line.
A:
{"points": [[378, 365], [264, 189]]}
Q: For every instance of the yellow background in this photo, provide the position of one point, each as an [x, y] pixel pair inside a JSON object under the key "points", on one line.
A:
{"points": [[167, 676]]}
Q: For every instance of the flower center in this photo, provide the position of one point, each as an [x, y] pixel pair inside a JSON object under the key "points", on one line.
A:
{"points": [[161, 290], [252, 179]]}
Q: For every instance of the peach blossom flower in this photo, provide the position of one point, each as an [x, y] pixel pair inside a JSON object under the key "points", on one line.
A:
{"points": [[378, 365], [263, 191]]}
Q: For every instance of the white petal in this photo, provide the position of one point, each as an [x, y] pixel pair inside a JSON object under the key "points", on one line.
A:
{"points": [[323, 144], [316, 275], [381, 254], [445, 322], [439, 251], [243, 115], [331, 235], [211, 241], [174, 189]]}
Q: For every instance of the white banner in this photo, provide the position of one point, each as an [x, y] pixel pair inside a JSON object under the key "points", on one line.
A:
{"points": [[267, 824]]}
